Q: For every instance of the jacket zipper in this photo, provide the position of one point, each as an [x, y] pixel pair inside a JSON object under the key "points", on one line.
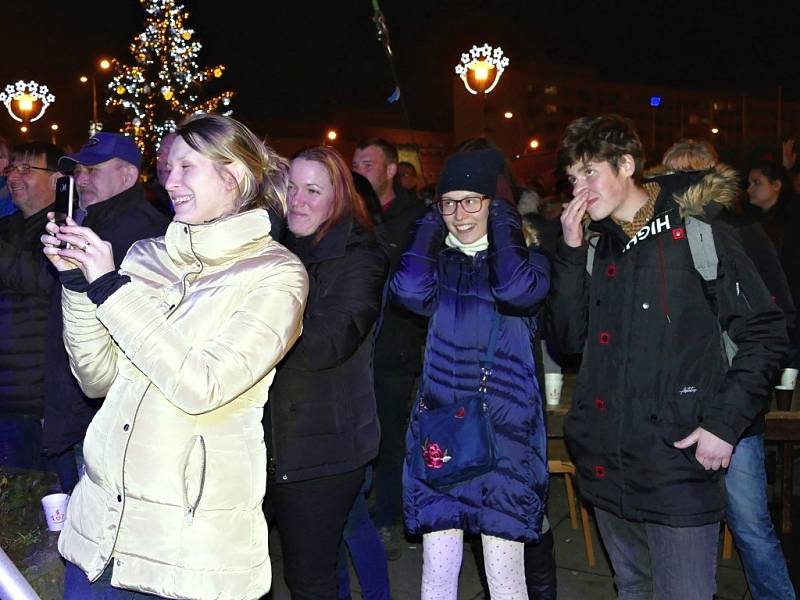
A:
{"points": [[191, 507]]}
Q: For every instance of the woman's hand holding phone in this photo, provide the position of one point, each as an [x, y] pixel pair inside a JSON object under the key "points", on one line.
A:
{"points": [[71, 246]]}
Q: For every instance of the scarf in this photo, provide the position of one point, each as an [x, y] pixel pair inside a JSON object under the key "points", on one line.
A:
{"points": [[469, 249]]}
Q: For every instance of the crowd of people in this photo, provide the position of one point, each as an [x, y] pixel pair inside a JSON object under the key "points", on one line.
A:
{"points": [[308, 343]]}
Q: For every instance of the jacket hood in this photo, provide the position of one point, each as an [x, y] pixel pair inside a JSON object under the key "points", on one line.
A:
{"points": [[702, 192]]}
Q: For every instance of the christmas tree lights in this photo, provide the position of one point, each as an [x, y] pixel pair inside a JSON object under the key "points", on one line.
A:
{"points": [[165, 82]]}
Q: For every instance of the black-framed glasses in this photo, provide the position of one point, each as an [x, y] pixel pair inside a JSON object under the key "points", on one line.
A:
{"points": [[471, 204], [23, 169]]}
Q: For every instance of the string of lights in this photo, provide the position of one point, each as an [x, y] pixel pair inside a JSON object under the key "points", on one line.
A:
{"points": [[164, 83]]}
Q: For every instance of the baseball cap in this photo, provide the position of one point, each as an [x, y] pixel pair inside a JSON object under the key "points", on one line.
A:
{"points": [[100, 148]]}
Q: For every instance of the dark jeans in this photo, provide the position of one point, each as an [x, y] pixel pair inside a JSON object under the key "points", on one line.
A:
{"points": [[366, 551], [749, 519], [78, 587], [657, 561], [311, 516], [394, 392]]}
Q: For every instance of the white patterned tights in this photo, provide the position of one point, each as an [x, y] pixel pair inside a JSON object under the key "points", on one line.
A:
{"points": [[442, 552]]}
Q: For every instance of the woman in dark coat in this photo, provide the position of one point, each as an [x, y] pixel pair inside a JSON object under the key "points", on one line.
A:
{"points": [[323, 418], [467, 263]]}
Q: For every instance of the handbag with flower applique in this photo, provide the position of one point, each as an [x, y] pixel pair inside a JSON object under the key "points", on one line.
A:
{"points": [[458, 440]]}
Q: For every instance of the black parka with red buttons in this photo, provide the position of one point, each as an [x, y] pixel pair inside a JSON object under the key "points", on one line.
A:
{"points": [[654, 366]]}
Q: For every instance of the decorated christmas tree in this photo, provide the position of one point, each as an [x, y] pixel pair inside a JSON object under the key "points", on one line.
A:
{"points": [[164, 83]]}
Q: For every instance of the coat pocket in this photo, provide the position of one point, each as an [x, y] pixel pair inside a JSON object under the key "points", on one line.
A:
{"points": [[194, 476]]}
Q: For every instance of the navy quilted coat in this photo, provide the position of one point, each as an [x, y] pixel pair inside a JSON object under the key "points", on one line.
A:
{"points": [[460, 295]]}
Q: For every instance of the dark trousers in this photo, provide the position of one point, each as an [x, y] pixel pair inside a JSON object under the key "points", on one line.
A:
{"points": [[78, 587], [394, 392], [21, 442], [65, 465], [21, 448], [311, 516], [366, 551], [540, 567], [657, 561]]}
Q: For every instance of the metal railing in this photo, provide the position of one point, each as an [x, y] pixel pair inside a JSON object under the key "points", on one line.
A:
{"points": [[13, 586]]}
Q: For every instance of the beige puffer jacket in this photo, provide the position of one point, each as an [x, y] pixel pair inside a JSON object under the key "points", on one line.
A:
{"points": [[175, 458]]}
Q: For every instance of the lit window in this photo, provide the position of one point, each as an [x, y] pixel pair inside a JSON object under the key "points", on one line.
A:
{"points": [[551, 108], [551, 90]]}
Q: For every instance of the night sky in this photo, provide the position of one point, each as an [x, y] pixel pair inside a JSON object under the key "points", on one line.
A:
{"points": [[294, 60]]}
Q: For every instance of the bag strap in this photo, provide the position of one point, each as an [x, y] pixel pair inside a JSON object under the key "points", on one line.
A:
{"points": [[488, 358], [590, 250], [487, 366]]}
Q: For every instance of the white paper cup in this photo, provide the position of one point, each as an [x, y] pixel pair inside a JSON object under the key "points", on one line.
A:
{"points": [[55, 510], [553, 382], [789, 378]]}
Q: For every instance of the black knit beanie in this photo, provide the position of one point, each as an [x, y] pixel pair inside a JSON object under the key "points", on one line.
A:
{"points": [[472, 171]]}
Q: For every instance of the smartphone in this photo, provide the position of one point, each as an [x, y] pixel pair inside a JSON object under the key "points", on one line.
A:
{"points": [[65, 198]]}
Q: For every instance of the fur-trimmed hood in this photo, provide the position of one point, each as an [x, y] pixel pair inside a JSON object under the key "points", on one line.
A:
{"points": [[708, 191]]}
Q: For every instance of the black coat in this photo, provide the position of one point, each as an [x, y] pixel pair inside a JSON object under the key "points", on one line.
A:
{"points": [[781, 223], [121, 220], [322, 402], [654, 367], [398, 347], [26, 282], [764, 255]]}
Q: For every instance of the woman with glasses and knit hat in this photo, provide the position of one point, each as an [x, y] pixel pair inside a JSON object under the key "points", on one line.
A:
{"points": [[469, 270]]}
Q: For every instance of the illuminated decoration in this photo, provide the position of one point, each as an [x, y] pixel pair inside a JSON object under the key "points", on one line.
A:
{"points": [[164, 83], [332, 135], [27, 97], [655, 101], [534, 144], [481, 68]]}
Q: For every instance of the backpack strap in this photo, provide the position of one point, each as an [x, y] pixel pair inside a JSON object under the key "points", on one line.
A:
{"points": [[706, 263], [590, 252], [701, 245]]}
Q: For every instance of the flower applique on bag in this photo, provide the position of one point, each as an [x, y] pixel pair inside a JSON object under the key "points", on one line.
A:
{"points": [[459, 437], [434, 456]]}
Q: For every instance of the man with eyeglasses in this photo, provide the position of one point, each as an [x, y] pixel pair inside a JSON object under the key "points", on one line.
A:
{"points": [[6, 205], [26, 283], [113, 204]]}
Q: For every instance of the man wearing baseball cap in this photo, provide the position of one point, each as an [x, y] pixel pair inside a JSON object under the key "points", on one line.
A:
{"points": [[106, 166], [113, 204]]}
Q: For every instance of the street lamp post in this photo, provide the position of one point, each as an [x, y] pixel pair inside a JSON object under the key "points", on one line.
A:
{"points": [[480, 70], [26, 102], [102, 65]]}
